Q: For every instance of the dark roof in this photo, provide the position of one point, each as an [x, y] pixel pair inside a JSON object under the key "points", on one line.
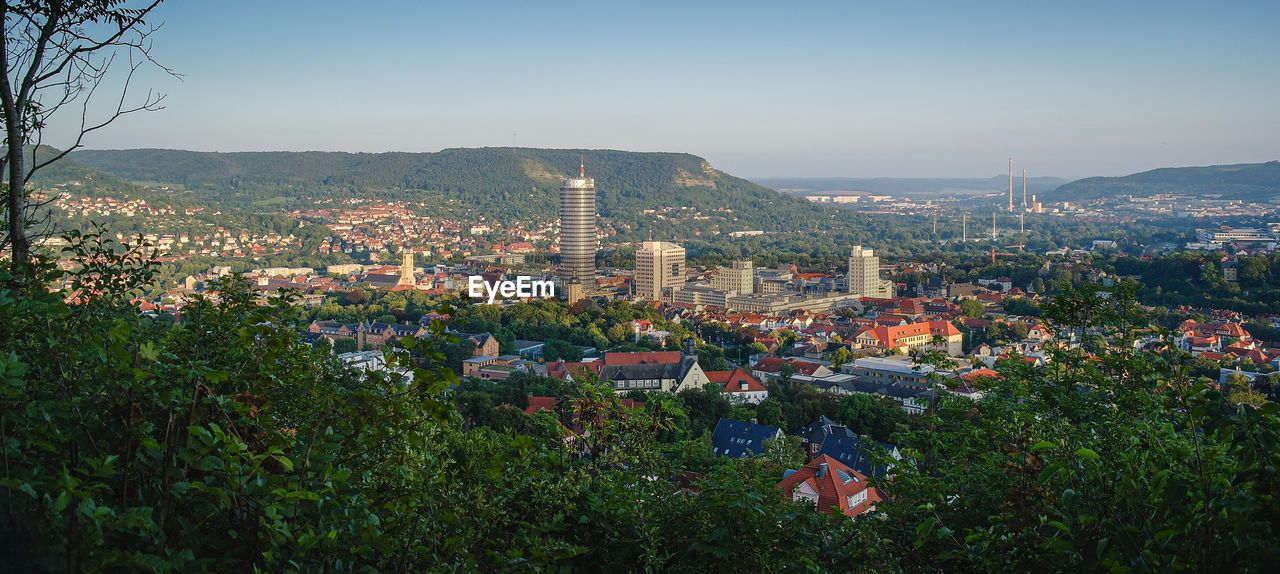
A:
{"points": [[310, 338], [855, 452], [380, 280], [818, 431], [522, 345], [402, 330], [478, 338], [641, 371], [736, 439]]}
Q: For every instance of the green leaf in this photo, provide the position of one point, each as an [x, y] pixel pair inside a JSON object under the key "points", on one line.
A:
{"points": [[1087, 453], [62, 501], [285, 462], [1043, 445], [148, 351]]}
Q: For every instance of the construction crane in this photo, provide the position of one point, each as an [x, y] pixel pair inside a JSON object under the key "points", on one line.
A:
{"points": [[1018, 246], [994, 253]]}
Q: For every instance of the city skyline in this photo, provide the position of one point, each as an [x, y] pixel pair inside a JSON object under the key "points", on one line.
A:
{"points": [[760, 90]]}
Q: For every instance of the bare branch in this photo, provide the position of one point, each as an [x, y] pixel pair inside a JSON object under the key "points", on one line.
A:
{"points": [[93, 46], [150, 103]]}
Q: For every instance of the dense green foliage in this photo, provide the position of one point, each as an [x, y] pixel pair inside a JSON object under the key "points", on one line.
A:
{"points": [[1122, 464], [1197, 279], [223, 443]]}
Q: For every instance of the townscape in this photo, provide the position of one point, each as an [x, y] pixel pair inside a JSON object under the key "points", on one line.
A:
{"points": [[508, 358]]}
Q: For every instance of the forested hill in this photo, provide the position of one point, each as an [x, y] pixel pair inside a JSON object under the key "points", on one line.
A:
{"points": [[1251, 182], [509, 182]]}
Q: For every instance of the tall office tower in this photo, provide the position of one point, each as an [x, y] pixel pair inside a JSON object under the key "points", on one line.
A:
{"points": [[578, 228], [740, 278], [406, 269], [659, 265], [864, 274]]}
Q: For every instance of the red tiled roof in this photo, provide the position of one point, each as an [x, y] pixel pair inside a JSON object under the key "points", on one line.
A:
{"points": [[734, 379], [650, 358], [979, 373], [890, 337], [720, 377], [541, 404], [833, 488], [560, 369], [774, 365]]}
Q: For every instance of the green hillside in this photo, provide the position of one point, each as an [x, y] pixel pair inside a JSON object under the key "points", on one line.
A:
{"points": [[83, 180], [499, 182], [1251, 182]]}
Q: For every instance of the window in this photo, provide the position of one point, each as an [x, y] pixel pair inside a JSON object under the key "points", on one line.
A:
{"points": [[856, 499]]}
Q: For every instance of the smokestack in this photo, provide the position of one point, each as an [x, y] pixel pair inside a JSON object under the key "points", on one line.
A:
{"points": [[993, 226], [1010, 185], [1024, 189], [965, 225]]}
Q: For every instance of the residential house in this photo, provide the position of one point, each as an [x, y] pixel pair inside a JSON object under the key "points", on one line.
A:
{"points": [[913, 336], [736, 439], [739, 386], [770, 368], [859, 453], [832, 486], [669, 371], [813, 436], [486, 344]]}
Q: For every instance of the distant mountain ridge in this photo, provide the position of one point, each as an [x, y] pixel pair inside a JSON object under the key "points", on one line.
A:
{"points": [[1259, 182], [510, 182]]}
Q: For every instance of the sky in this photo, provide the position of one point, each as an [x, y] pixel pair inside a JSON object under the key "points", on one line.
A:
{"points": [[759, 89]]}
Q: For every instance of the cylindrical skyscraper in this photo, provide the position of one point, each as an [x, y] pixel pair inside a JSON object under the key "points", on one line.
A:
{"points": [[578, 228]]}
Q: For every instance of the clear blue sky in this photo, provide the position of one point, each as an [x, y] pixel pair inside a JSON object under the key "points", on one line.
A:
{"points": [[862, 89]]}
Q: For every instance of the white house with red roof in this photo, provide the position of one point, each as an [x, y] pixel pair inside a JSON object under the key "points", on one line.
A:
{"points": [[913, 336], [768, 368], [831, 486], [740, 386]]}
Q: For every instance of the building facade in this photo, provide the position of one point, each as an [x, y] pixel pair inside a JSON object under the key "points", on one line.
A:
{"points": [[659, 268], [578, 228], [738, 278], [864, 274]]}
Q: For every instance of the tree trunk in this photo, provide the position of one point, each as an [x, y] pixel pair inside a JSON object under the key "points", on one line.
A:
{"points": [[19, 243]]}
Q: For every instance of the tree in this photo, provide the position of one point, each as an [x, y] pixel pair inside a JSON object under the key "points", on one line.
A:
{"points": [[971, 309], [56, 55], [1239, 391], [344, 345], [711, 358], [841, 356], [769, 412], [785, 372], [558, 350], [1119, 462]]}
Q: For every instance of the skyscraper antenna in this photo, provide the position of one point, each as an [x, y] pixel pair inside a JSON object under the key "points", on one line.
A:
{"points": [[582, 166]]}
